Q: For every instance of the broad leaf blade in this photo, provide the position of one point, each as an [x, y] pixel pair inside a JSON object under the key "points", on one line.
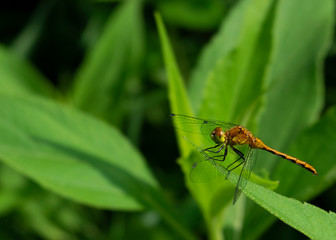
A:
{"points": [[79, 157], [72, 154], [227, 80], [306, 218], [294, 80]]}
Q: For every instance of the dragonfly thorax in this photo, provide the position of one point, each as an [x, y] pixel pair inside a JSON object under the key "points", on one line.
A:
{"points": [[218, 135]]}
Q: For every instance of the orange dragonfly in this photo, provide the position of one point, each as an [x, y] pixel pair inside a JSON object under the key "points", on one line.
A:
{"points": [[227, 138]]}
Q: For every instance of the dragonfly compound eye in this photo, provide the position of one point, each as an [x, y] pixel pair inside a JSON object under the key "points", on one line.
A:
{"points": [[218, 135]]}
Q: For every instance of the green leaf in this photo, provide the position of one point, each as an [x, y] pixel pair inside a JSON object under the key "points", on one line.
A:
{"points": [[226, 84], [306, 218], [72, 154], [78, 157], [18, 77], [227, 81], [294, 99], [179, 102], [100, 82]]}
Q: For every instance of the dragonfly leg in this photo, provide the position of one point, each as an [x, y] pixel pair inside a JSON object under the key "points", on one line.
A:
{"points": [[220, 149], [220, 158], [238, 152], [229, 170], [241, 156], [224, 156], [236, 161]]}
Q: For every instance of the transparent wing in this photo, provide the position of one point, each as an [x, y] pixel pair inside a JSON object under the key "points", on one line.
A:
{"points": [[244, 175], [204, 171], [198, 125], [205, 167]]}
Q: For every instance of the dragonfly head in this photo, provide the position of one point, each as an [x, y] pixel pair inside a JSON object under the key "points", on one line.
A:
{"points": [[218, 135]]}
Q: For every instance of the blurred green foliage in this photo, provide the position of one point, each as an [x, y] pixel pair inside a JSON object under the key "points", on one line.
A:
{"points": [[87, 147]]}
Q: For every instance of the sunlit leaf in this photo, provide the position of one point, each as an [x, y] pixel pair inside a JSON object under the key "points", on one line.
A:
{"points": [[227, 81], [79, 157], [306, 218], [72, 154]]}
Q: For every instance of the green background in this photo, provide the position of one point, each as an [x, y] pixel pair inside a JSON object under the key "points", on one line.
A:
{"points": [[87, 147]]}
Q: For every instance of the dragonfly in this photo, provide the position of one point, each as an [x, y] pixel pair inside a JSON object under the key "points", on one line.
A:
{"points": [[227, 139]]}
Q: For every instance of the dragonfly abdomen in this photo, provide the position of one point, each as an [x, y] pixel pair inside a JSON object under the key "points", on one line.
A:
{"points": [[298, 162]]}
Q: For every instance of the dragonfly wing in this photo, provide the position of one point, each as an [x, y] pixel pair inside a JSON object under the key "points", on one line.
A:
{"points": [[187, 124], [204, 168], [207, 129], [244, 175], [208, 167], [198, 125], [194, 125], [203, 171]]}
